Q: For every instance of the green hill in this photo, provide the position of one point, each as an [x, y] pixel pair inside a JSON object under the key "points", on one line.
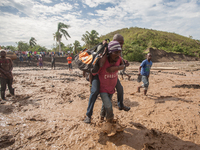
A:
{"points": [[137, 40]]}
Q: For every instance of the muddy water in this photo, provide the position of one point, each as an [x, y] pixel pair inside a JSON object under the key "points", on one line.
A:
{"points": [[49, 107]]}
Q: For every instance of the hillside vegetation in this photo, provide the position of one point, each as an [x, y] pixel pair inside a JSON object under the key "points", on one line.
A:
{"points": [[137, 40]]}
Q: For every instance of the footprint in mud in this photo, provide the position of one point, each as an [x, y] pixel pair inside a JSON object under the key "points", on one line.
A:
{"points": [[6, 109], [112, 128]]}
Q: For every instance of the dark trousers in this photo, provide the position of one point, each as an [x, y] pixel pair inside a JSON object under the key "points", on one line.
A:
{"points": [[4, 82], [53, 64], [95, 92]]}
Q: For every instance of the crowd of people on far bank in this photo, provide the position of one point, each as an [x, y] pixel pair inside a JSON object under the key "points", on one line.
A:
{"points": [[104, 82]]}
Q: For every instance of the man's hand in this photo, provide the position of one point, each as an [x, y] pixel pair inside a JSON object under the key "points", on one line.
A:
{"points": [[126, 63]]}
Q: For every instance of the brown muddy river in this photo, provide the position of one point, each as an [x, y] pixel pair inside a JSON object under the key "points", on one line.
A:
{"points": [[49, 107]]}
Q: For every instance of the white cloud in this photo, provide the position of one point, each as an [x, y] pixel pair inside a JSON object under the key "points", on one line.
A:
{"points": [[39, 9], [47, 1], [181, 17], [95, 3], [90, 14]]}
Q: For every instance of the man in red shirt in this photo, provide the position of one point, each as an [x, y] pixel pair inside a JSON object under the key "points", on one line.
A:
{"points": [[69, 59]]}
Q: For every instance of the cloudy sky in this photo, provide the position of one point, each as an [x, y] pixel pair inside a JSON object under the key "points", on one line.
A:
{"points": [[22, 19]]}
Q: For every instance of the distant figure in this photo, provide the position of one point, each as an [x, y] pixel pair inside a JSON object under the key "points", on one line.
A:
{"points": [[6, 77], [29, 57], [53, 61], [144, 71], [122, 72], [40, 61], [20, 57], [69, 59]]}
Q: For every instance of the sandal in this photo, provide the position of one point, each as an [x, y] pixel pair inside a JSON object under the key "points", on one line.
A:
{"points": [[125, 108]]}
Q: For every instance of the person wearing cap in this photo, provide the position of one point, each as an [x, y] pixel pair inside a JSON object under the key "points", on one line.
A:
{"points": [[6, 77], [95, 86], [108, 76]]}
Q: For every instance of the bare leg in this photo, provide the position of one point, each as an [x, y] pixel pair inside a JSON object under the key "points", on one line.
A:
{"points": [[138, 89], [145, 92]]}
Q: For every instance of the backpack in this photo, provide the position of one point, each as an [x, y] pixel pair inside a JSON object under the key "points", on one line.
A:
{"points": [[87, 60]]}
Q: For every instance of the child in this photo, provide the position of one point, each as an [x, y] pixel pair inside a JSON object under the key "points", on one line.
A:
{"points": [[108, 76], [144, 71]]}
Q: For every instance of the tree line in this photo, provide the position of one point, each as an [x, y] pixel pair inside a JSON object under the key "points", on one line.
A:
{"points": [[136, 41], [90, 39]]}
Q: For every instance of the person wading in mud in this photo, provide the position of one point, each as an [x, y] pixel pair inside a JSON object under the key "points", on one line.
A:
{"points": [[144, 71], [108, 76], [6, 76], [69, 59], [53, 61], [95, 84]]}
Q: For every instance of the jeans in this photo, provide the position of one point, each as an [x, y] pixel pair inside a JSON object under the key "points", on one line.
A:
{"points": [[106, 110], [120, 94], [95, 91], [21, 59], [93, 95]]}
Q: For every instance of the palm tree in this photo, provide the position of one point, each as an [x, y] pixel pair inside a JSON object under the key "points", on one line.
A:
{"points": [[61, 31], [32, 42], [91, 38], [76, 45]]}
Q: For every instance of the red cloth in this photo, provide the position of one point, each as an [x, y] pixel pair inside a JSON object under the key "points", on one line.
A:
{"points": [[107, 80]]}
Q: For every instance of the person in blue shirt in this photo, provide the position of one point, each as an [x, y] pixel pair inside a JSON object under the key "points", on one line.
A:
{"points": [[144, 71]]}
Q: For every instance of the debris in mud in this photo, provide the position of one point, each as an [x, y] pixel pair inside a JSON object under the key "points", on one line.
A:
{"points": [[138, 125], [194, 86], [175, 73], [36, 118], [75, 75]]}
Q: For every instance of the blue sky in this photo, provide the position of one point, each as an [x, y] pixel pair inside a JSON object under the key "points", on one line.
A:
{"points": [[23, 19]]}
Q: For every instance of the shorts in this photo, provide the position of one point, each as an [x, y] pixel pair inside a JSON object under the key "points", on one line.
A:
{"points": [[40, 64], [70, 66], [145, 81]]}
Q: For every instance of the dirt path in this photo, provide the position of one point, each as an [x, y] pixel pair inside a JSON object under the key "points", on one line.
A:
{"points": [[49, 107]]}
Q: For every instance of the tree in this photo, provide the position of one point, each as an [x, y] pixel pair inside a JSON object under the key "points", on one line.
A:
{"points": [[69, 47], [61, 31], [77, 46], [91, 38], [32, 42], [39, 48], [22, 46], [10, 47]]}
